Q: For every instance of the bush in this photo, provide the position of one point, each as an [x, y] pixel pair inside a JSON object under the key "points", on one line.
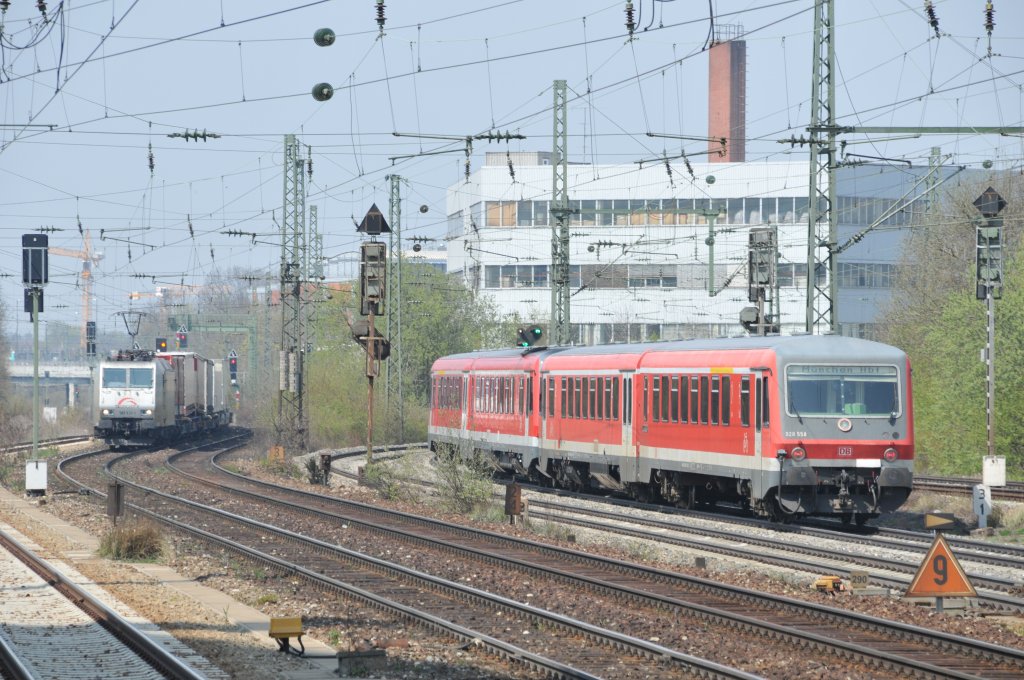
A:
{"points": [[464, 478], [132, 541]]}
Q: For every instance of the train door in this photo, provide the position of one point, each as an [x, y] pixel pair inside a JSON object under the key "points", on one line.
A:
{"points": [[629, 449], [464, 416]]}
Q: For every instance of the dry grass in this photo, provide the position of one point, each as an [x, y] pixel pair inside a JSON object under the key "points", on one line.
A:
{"points": [[136, 541]]}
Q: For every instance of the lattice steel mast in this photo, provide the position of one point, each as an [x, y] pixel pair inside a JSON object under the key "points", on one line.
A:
{"points": [[394, 398], [821, 224], [291, 421], [560, 211]]}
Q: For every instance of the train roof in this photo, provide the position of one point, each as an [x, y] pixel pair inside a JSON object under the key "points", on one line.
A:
{"points": [[820, 347]]}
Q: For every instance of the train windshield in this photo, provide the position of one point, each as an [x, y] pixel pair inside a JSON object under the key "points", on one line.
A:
{"points": [[819, 390], [137, 378]]}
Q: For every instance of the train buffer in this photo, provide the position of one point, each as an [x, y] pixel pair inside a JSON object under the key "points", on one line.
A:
{"points": [[283, 628]]}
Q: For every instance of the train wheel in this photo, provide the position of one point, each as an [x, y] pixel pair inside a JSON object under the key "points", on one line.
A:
{"points": [[846, 518], [862, 519], [688, 498]]}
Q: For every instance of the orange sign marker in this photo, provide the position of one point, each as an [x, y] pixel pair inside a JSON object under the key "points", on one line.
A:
{"points": [[940, 575]]}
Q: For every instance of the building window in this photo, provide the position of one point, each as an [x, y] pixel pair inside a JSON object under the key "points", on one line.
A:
{"points": [[866, 275], [652, 276], [516, 276], [500, 213]]}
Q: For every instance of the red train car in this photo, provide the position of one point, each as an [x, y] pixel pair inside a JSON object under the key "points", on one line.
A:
{"points": [[785, 425]]}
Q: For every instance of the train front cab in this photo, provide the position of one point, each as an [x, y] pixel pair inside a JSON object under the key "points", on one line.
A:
{"points": [[842, 441]]}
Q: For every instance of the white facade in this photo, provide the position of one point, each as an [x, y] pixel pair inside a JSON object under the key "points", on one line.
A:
{"points": [[640, 240]]}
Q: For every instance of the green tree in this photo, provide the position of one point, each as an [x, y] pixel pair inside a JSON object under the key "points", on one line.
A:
{"points": [[440, 316], [935, 316]]}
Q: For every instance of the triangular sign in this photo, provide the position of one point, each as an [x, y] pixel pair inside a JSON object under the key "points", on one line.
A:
{"points": [[940, 575], [374, 223], [990, 203]]}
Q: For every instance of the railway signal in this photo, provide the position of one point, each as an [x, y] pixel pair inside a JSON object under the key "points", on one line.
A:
{"points": [[528, 335], [182, 337], [161, 344], [233, 366]]}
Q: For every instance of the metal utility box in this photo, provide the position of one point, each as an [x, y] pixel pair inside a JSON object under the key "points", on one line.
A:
{"points": [[35, 478], [993, 471]]}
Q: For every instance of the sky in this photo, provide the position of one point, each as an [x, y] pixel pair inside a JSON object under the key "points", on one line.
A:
{"points": [[88, 94]]}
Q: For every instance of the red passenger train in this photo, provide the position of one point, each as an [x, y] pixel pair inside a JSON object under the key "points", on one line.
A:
{"points": [[785, 425]]}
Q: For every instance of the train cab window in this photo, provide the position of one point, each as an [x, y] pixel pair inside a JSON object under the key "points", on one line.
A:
{"points": [[704, 400], [716, 397], [694, 398], [745, 401], [115, 377], [684, 393], [674, 401], [726, 399], [656, 400]]}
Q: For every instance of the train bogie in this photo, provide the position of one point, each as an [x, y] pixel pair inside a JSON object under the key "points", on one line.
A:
{"points": [[787, 426]]}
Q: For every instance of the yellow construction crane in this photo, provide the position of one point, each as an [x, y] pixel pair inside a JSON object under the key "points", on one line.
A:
{"points": [[89, 259]]}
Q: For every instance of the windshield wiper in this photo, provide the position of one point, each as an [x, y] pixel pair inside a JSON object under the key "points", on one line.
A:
{"points": [[792, 407]]}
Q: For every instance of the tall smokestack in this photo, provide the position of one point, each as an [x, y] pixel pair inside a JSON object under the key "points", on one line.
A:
{"points": [[727, 95]]}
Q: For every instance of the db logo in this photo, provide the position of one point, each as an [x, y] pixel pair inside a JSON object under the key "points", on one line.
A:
{"points": [[845, 451], [127, 401]]}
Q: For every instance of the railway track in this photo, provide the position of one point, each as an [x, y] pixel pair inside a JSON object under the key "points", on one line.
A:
{"points": [[47, 443], [964, 486], [899, 552], [802, 624], [505, 627], [106, 646]]}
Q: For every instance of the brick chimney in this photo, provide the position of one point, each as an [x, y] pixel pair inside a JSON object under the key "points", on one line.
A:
{"points": [[727, 95]]}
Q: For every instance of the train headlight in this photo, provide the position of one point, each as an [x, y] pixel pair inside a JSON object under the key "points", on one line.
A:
{"points": [[106, 411], [148, 412], [798, 453], [890, 455]]}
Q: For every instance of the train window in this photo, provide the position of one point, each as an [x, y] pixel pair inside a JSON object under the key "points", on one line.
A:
{"points": [[565, 397], [593, 398], [716, 394], [764, 408], [694, 399], [543, 394], [704, 399], [615, 398], [745, 401], [684, 392], [643, 396], [627, 400], [726, 399], [757, 405], [674, 406], [597, 385], [610, 411], [522, 396], [551, 397], [665, 395], [581, 398], [656, 400]]}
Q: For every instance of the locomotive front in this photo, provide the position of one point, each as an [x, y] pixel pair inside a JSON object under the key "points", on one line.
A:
{"points": [[845, 444], [129, 401]]}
